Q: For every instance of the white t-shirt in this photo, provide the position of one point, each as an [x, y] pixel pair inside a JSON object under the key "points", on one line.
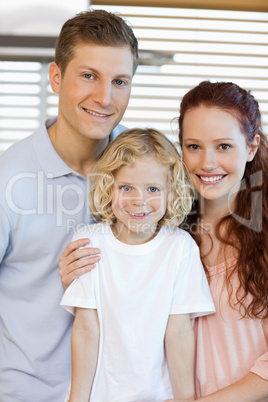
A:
{"points": [[135, 288]]}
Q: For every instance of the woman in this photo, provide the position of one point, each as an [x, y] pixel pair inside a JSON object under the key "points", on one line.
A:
{"points": [[226, 155]]}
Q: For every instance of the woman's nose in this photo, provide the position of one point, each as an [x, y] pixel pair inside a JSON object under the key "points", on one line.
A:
{"points": [[209, 161]]}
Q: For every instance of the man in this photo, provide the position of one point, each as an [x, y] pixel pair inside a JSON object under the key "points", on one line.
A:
{"points": [[44, 182]]}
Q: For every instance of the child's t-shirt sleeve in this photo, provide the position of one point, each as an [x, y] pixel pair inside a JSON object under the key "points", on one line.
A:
{"points": [[191, 293], [81, 292]]}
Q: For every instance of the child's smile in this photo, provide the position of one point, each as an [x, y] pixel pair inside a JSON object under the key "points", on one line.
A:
{"points": [[139, 200]]}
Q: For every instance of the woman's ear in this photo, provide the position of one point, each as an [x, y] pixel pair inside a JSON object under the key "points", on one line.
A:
{"points": [[253, 147], [55, 77]]}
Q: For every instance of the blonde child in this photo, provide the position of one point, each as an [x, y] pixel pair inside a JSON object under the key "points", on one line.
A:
{"points": [[132, 338]]}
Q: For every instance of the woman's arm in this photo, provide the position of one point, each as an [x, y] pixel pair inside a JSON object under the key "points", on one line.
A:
{"points": [[76, 260], [85, 344], [179, 344], [250, 388]]}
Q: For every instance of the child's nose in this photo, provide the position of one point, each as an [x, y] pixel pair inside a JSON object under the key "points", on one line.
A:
{"points": [[139, 198]]}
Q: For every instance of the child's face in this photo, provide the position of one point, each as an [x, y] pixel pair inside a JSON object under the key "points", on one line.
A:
{"points": [[139, 200]]}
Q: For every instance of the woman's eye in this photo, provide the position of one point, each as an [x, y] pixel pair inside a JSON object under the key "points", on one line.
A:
{"points": [[193, 147], [224, 147]]}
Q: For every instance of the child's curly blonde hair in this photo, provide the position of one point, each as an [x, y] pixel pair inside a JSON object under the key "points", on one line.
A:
{"points": [[123, 151]]}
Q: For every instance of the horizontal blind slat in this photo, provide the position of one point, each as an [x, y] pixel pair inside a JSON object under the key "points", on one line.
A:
{"points": [[178, 49]]}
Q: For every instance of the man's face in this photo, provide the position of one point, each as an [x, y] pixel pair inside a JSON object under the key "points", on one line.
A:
{"points": [[94, 91]]}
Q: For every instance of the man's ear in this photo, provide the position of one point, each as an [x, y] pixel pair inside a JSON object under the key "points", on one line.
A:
{"points": [[54, 77], [253, 147]]}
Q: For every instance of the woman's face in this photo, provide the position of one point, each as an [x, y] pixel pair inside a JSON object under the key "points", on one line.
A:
{"points": [[214, 151]]}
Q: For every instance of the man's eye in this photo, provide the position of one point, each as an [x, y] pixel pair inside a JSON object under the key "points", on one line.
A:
{"points": [[88, 76], [120, 82]]}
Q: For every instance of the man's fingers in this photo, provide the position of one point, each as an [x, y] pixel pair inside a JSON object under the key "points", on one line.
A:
{"points": [[82, 263], [73, 246], [83, 252], [69, 256], [87, 268], [76, 260], [75, 273]]}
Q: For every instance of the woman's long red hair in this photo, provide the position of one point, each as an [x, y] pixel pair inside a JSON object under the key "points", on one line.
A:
{"points": [[247, 226]]}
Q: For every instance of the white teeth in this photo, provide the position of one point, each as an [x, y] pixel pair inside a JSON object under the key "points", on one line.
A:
{"points": [[138, 214], [211, 179], [95, 114]]}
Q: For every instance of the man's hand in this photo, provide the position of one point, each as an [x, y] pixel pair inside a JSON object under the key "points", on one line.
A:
{"points": [[76, 260]]}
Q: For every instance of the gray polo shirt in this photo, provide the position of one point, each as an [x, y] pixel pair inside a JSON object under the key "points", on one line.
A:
{"points": [[42, 203]]}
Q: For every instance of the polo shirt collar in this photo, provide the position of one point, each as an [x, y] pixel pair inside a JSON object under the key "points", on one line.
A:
{"points": [[50, 161]]}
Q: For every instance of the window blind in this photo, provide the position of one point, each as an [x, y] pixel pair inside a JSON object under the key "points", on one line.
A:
{"points": [[178, 49], [23, 99], [182, 47]]}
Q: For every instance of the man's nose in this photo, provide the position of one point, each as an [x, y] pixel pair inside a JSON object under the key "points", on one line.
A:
{"points": [[103, 94]]}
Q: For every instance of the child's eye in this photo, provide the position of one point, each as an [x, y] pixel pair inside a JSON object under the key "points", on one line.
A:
{"points": [[126, 188], [153, 189]]}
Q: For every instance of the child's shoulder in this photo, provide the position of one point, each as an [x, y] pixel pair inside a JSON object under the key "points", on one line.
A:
{"points": [[176, 232], [176, 235]]}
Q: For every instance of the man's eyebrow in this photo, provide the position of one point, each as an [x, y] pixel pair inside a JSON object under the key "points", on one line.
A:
{"points": [[94, 70]]}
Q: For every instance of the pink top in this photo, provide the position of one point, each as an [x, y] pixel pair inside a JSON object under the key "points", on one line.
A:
{"points": [[227, 347]]}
